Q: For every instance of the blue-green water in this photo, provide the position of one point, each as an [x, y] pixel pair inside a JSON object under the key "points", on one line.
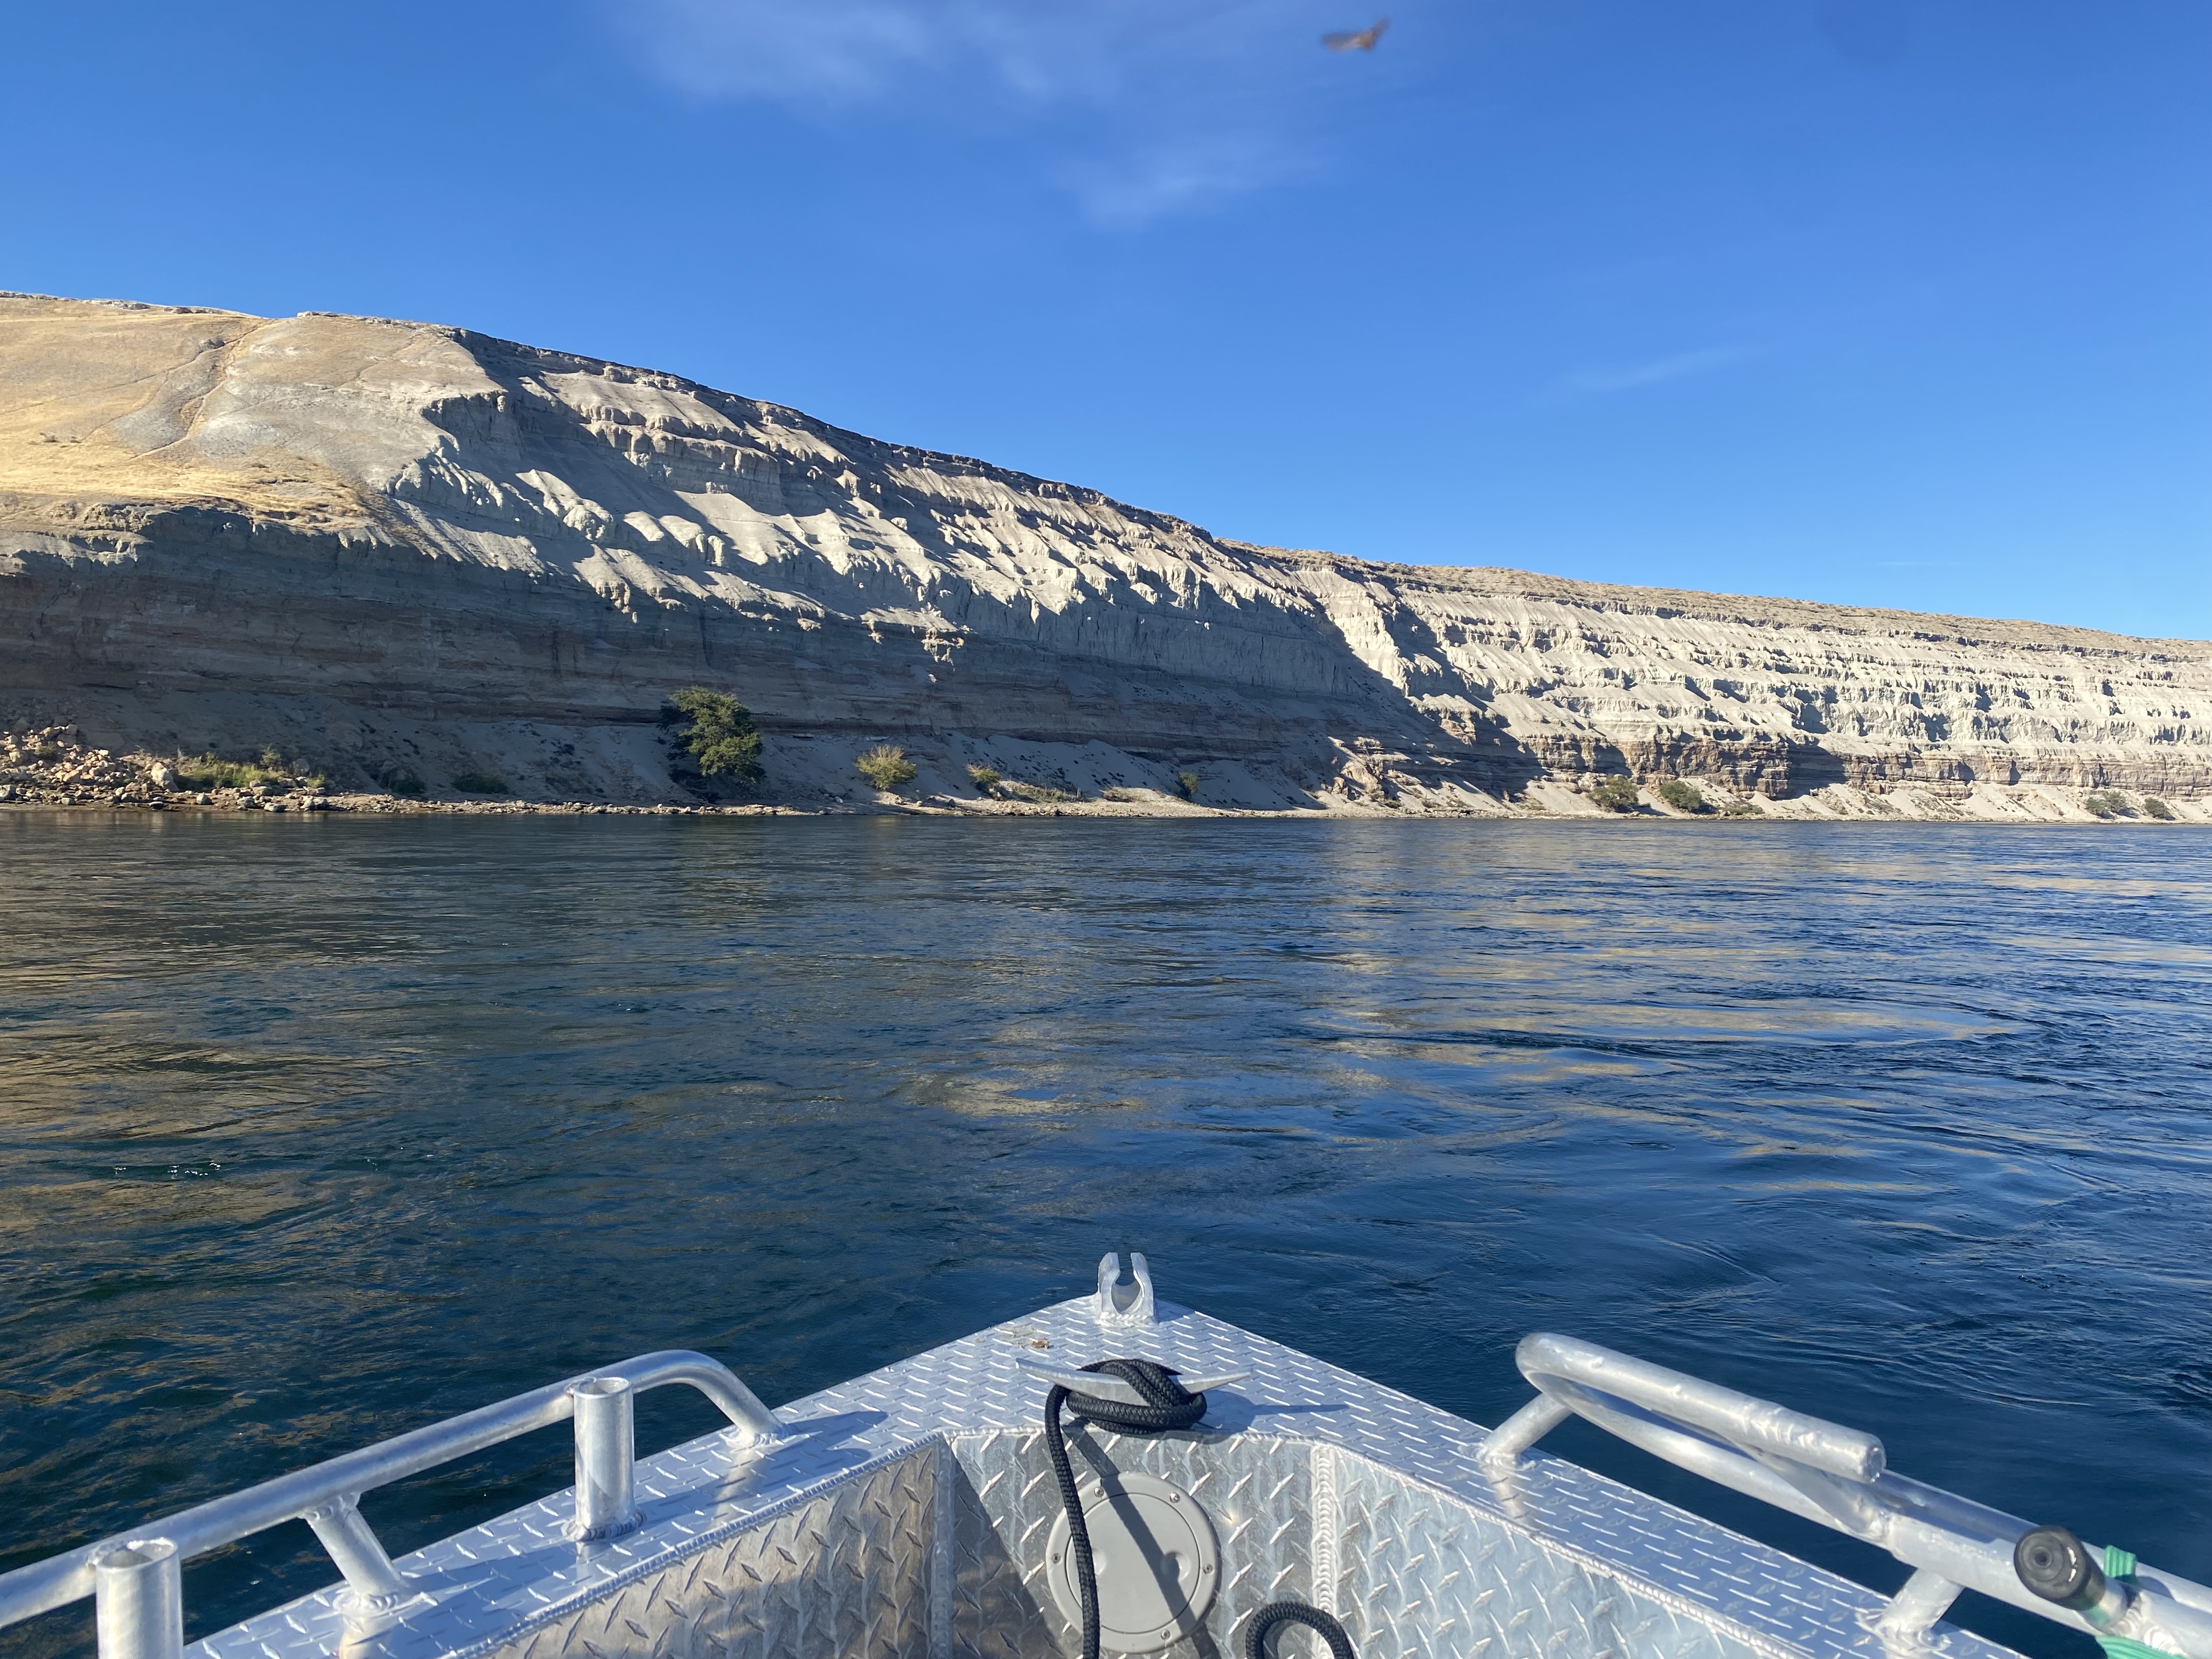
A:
{"points": [[314, 1129]]}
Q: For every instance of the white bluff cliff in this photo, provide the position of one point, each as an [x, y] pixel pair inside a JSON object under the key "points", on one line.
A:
{"points": [[394, 545]]}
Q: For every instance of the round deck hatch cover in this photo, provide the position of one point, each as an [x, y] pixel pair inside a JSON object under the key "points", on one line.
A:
{"points": [[1159, 1565]]}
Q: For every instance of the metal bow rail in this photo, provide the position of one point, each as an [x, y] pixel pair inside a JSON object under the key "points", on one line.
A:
{"points": [[1831, 1474], [136, 1581]]}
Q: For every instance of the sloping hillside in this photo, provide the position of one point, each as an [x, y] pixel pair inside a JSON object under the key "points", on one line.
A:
{"points": [[393, 545]]}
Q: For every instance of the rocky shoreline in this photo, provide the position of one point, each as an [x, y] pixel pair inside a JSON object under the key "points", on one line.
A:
{"points": [[54, 768]]}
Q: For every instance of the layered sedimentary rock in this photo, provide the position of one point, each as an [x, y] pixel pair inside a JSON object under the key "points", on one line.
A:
{"points": [[392, 545]]}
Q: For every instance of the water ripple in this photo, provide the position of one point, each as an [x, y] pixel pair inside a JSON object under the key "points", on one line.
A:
{"points": [[316, 1129]]}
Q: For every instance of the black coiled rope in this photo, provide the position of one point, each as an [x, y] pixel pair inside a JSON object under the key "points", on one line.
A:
{"points": [[1168, 1405], [1294, 1612]]}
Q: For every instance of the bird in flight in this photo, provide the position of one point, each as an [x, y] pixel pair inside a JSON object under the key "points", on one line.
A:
{"points": [[1356, 40]]}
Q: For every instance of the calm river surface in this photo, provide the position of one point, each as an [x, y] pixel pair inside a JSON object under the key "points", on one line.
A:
{"points": [[313, 1129]]}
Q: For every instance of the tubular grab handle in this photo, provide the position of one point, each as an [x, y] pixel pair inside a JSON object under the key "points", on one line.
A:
{"points": [[1750, 1424], [325, 1494], [1826, 1472]]}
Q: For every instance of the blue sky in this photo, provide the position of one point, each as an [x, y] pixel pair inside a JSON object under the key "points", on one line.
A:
{"points": [[1898, 302]]}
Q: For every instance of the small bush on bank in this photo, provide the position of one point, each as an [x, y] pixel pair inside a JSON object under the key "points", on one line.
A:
{"points": [[1739, 809], [268, 774], [1682, 797], [480, 783], [984, 779], [886, 767], [716, 734], [1617, 795], [210, 773], [403, 783], [2154, 808], [1187, 785], [1043, 794], [2106, 803]]}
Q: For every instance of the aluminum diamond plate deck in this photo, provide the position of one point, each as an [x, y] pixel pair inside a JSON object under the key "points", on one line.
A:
{"points": [[1256, 1488], [904, 1514]]}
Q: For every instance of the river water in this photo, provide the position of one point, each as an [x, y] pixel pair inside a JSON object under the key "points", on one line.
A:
{"points": [[316, 1129]]}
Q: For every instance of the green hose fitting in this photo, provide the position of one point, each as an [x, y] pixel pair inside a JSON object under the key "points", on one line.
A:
{"points": [[2120, 1567]]}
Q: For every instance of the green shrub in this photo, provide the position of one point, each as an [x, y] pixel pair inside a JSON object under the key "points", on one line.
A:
{"points": [[983, 778], [403, 783], [1187, 785], [48, 752], [480, 783], [886, 767], [2154, 808], [211, 772], [1617, 795], [1044, 794], [2106, 803], [1739, 809], [1682, 797], [717, 734]]}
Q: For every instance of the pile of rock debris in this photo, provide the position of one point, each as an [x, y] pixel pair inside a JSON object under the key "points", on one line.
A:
{"points": [[53, 765]]}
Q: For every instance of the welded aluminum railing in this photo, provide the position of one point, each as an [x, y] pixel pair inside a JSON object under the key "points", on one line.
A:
{"points": [[136, 1578], [1829, 1474]]}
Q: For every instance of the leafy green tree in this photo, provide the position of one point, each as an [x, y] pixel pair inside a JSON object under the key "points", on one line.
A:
{"points": [[2106, 803], [716, 733], [1682, 797], [1617, 795]]}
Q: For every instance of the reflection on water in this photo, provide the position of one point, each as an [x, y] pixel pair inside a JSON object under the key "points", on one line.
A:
{"points": [[316, 1129]]}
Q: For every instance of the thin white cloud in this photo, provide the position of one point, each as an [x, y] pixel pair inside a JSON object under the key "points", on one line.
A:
{"points": [[1655, 371], [1138, 107], [839, 50], [1137, 184]]}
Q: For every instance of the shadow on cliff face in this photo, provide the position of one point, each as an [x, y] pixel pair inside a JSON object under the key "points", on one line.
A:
{"points": [[1776, 769], [226, 631], [1781, 769]]}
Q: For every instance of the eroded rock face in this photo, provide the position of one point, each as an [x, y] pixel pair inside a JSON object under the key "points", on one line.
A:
{"points": [[400, 548]]}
